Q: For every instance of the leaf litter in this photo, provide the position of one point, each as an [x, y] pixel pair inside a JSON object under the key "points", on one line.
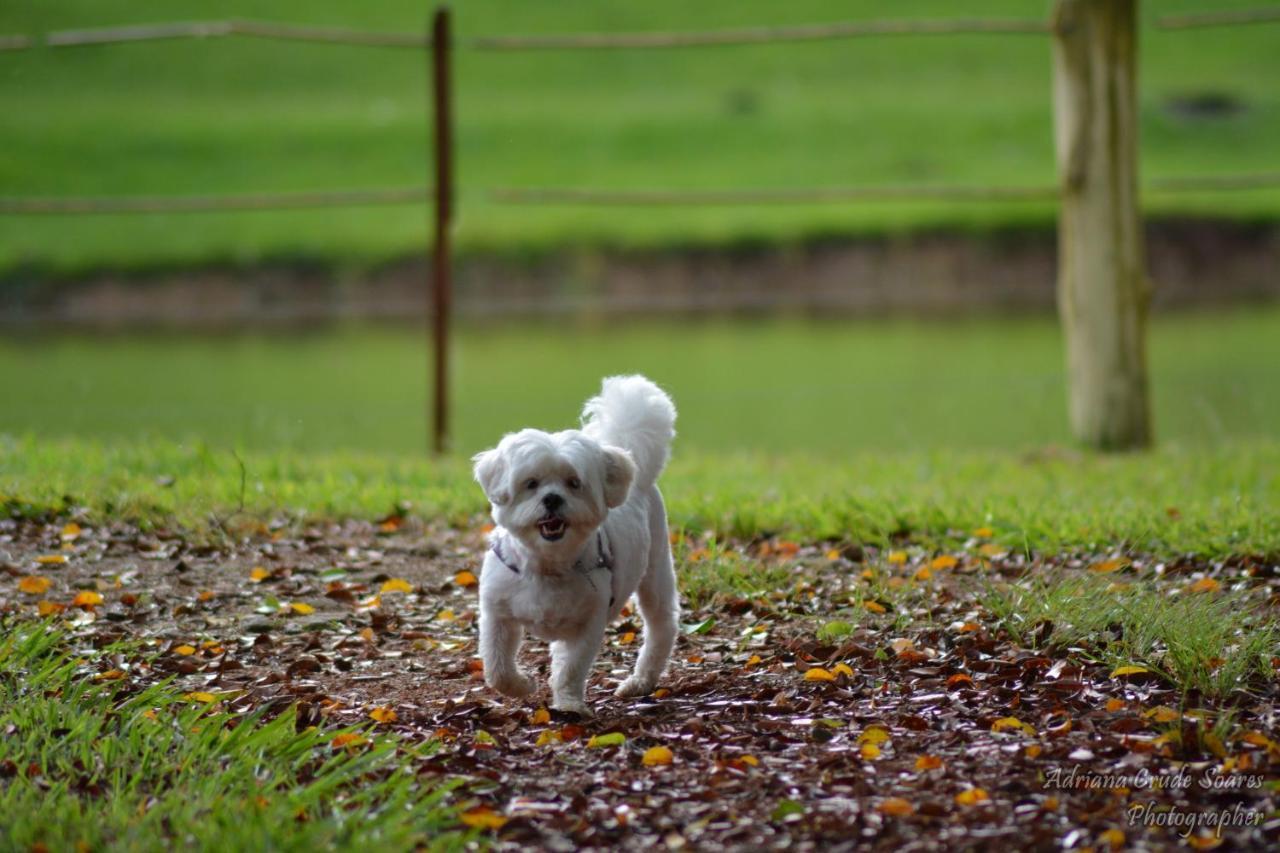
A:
{"points": [[875, 699]]}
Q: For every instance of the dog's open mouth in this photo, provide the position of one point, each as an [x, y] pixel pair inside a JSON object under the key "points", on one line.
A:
{"points": [[552, 528]]}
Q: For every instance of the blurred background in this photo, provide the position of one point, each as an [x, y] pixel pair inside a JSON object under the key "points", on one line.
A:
{"points": [[818, 327]]}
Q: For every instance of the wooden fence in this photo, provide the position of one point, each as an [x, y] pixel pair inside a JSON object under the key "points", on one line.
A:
{"points": [[1102, 284]]}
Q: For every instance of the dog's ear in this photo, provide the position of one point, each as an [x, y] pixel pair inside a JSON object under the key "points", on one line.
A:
{"points": [[491, 473], [619, 472]]}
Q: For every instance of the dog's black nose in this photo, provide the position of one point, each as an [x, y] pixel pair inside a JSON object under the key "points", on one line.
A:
{"points": [[552, 501]]}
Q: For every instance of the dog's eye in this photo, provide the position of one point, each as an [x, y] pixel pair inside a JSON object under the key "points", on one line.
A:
{"points": [[532, 484], [574, 482]]}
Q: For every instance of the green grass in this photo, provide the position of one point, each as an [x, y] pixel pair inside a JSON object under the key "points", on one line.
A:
{"points": [[95, 764], [1213, 644], [236, 116], [822, 388], [857, 431]]}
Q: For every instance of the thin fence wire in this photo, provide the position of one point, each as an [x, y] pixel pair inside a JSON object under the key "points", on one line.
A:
{"points": [[233, 27], [77, 205], [1242, 17]]}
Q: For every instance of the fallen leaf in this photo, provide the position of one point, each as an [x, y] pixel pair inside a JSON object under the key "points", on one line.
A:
{"points": [[1121, 671], [1205, 585], [34, 584], [627, 639], [482, 817], [842, 669], [87, 599], [656, 756], [984, 532], [258, 574], [870, 751], [896, 807], [1114, 705], [874, 606], [198, 696], [944, 561], [1108, 566], [923, 573], [1113, 838], [897, 557], [396, 585], [383, 715], [610, 739], [48, 608], [958, 679], [184, 650], [70, 531], [972, 797], [301, 608], [817, 673], [928, 762], [464, 578], [1162, 714], [51, 559], [549, 737], [1005, 724], [874, 735], [540, 717], [110, 675]]}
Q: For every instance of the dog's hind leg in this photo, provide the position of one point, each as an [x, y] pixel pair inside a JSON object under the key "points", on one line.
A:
{"points": [[660, 607]]}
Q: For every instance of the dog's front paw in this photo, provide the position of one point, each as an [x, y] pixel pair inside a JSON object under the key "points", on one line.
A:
{"points": [[572, 706], [635, 686], [515, 684]]}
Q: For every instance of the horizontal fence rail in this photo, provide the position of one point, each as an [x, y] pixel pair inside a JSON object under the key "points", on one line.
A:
{"points": [[1237, 18], [211, 203], [596, 41], [74, 205]]}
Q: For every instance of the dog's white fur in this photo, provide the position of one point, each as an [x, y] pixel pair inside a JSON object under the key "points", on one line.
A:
{"points": [[557, 589]]}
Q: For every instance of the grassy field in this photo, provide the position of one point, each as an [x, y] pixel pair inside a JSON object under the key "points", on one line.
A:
{"points": [[857, 431], [238, 116]]}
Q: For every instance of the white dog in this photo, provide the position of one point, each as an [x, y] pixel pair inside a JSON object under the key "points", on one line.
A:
{"points": [[580, 527]]}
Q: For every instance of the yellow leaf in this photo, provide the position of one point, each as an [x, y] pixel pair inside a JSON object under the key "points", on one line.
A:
{"points": [[541, 717], [897, 557], [48, 608], [51, 559], [1032, 750], [923, 573], [206, 698], [184, 650], [832, 554], [464, 578], [70, 531], [1112, 838], [928, 762], [944, 561], [749, 760], [627, 638], [348, 739], [1114, 705], [109, 675], [972, 797], [87, 598], [383, 715], [445, 616], [817, 673], [656, 755], [1204, 842], [483, 817], [302, 608], [661, 692], [842, 669], [397, 585], [874, 735], [34, 584], [1006, 723], [1205, 585], [1108, 566], [984, 532], [990, 549], [870, 751], [483, 738], [754, 660], [610, 739], [1162, 714], [549, 736], [1122, 671], [258, 574], [874, 606], [896, 807]]}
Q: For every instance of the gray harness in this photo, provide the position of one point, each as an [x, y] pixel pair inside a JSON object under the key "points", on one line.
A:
{"points": [[604, 559]]}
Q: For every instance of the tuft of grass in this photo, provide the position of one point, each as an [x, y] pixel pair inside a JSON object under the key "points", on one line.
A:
{"points": [[714, 573], [93, 764], [1212, 644]]}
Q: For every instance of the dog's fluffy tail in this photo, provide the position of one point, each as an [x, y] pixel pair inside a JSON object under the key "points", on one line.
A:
{"points": [[632, 413]]}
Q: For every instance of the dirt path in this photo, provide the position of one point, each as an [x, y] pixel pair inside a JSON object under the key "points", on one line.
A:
{"points": [[939, 733]]}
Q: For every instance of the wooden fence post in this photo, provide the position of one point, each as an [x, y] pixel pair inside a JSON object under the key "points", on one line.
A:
{"points": [[1102, 284], [441, 261]]}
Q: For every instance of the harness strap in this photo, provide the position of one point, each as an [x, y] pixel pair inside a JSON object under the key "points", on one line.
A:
{"points": [[604, 560]]}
